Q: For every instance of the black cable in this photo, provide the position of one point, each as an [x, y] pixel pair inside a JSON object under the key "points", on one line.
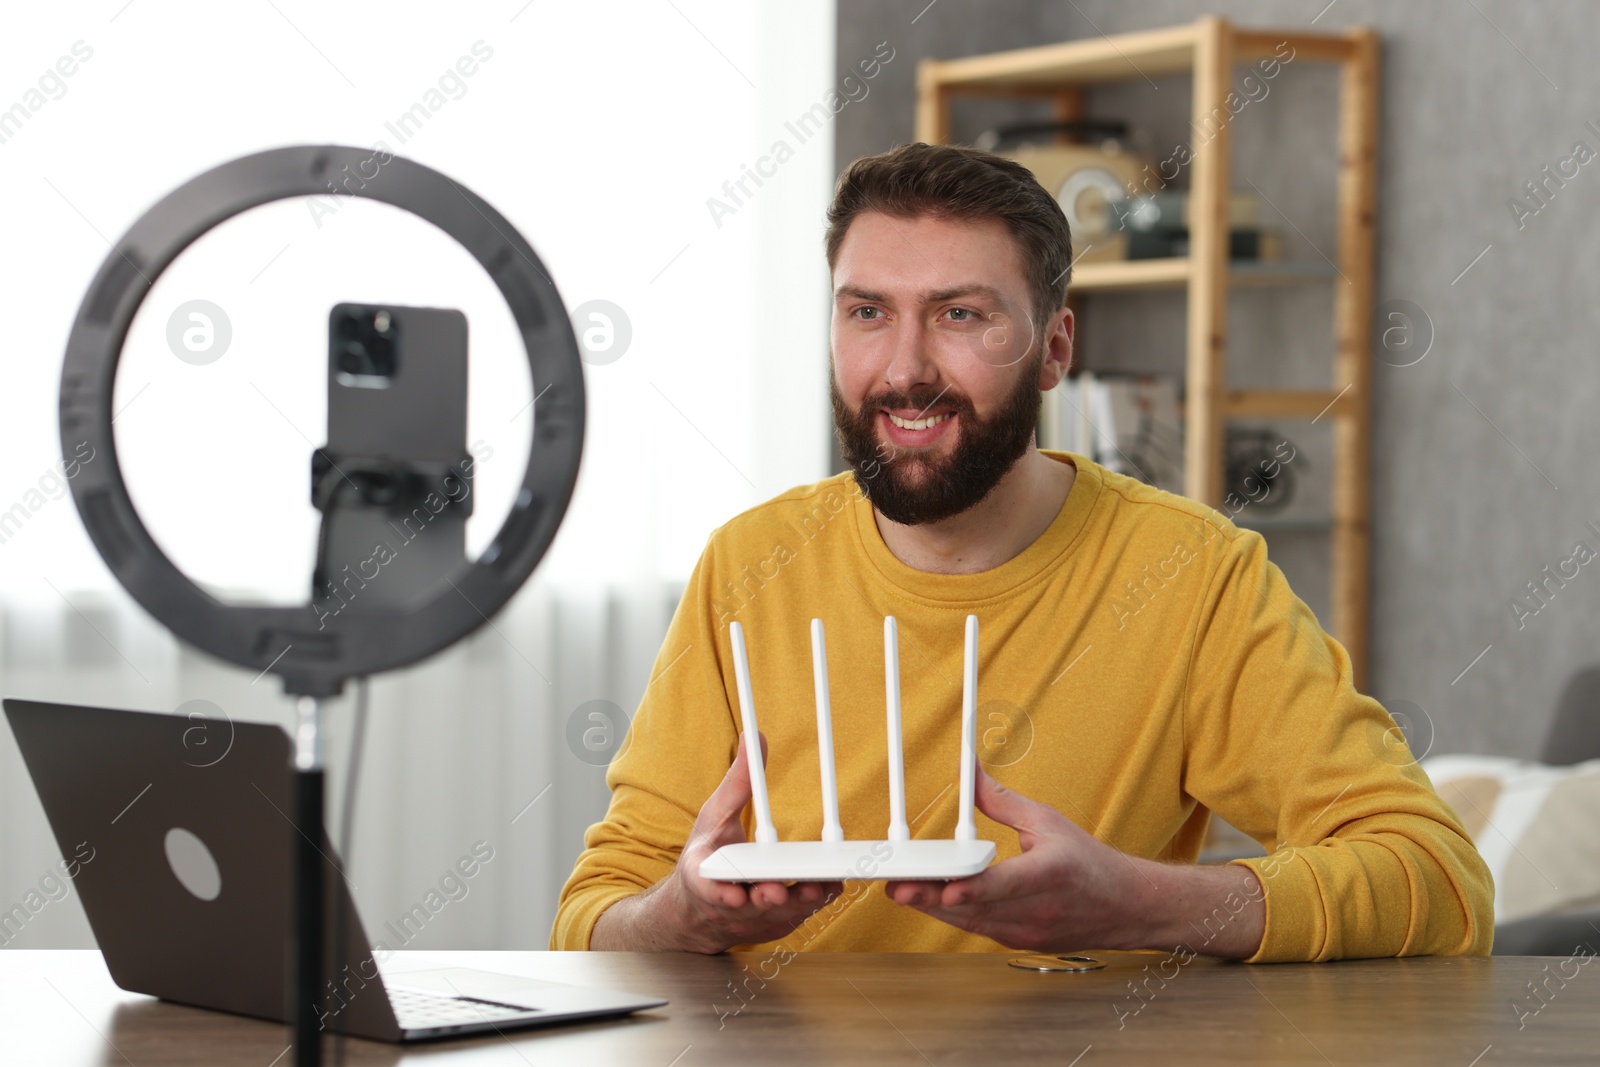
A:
{"points": [[346, 823]]}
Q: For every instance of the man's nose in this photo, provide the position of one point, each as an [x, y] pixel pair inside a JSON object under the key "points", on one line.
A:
{"points": [[912, 364]]}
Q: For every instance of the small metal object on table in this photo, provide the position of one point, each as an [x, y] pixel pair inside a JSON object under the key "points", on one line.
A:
{"points": [[1056, 963]]}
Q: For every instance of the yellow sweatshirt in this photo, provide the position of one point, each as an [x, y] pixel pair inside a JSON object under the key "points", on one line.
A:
{"points": [[1141, 665]]}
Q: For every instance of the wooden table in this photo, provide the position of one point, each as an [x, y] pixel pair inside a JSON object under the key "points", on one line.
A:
{"points": [[60, 1007]]}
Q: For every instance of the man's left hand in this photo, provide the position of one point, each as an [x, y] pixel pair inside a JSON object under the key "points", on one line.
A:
{"points": [[1068, 890], [1065, 891]]}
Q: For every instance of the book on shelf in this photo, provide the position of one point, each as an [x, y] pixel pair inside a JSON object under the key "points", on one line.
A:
{"points": [[1127, 423]]}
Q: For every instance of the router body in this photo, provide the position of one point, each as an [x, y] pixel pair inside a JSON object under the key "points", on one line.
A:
{"points": [[838, 861], [898, 857]]}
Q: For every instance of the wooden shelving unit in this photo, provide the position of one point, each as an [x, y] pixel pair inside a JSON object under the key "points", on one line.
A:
{"points": [[1209, 49]]}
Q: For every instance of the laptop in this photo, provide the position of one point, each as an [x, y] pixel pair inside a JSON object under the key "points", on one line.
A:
{"points": [[177, 831]]}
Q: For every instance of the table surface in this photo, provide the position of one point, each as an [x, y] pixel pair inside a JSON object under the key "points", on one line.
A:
{"points": [[61, 1007]]}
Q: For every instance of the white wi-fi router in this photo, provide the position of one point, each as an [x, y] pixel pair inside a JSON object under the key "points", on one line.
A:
{"points": [[766, 859]]}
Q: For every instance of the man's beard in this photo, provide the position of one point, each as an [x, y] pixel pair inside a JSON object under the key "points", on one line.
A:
{"points": [[912, 488]]}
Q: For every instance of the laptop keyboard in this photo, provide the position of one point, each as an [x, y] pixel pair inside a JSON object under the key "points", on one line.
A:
{"points": [[416, 1010]]}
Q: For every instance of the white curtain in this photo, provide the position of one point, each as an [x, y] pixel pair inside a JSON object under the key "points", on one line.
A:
{"points": [[601, 131]]}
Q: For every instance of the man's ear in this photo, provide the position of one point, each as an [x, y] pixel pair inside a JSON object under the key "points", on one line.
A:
{"points": [[1058, 349]]}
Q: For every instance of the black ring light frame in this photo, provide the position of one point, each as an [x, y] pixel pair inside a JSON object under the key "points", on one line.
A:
{"points": [[315, 658]]}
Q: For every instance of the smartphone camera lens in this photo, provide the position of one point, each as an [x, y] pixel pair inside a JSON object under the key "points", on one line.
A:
{"points": [[364, 348]]}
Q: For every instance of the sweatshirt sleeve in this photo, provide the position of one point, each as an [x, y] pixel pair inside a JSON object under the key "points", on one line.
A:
{"points": [[678, 748], [1364, 859]]}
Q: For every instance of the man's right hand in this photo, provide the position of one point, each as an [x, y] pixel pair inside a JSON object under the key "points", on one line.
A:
{"points": [[695, 914]]}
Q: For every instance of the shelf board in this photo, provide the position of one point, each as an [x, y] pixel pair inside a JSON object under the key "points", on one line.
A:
{"points": [[1131, 275], [1122, 57], [1268, 523], [1315, 47], [1084, 62]]}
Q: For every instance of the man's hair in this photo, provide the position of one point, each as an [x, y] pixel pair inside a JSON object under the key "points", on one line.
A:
{"points": [[961, 183]]}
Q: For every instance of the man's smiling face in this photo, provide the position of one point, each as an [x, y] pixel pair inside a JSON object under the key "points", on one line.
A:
{"points": [[937, 367]]}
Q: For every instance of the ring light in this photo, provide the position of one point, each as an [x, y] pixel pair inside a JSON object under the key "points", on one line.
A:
{"points": [[314, 657]]}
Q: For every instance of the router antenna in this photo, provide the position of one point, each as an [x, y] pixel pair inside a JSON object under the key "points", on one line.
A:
{"points": [[831, 830], [765, 832], [898, 828], [966, 824], [835, 858]]}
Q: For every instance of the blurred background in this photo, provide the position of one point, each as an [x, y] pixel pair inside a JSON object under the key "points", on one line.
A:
{"points": [[616, 136]]}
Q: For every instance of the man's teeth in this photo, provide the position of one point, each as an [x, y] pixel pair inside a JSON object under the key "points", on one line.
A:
{"points": [[919, 424]]}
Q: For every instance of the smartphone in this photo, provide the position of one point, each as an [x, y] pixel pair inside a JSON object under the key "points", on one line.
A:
{"points": [[394, 482]]}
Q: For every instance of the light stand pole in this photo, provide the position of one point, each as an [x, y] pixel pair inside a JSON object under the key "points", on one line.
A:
{"points": [[309, 972]]}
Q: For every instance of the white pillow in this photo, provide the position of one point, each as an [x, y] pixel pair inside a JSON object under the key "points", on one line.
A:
{"points": [[1536, 826]]}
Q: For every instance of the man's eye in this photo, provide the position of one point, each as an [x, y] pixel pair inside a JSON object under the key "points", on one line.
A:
{"points": [[859, 312], [967, 314]]}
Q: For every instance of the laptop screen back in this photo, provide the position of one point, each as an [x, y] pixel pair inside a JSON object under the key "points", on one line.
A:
{"points": [[188, 823]]}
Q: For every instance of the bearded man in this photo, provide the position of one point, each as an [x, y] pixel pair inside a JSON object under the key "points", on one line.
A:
{"points": [[1143, 662]]}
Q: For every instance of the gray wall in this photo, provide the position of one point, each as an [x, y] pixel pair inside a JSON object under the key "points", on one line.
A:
{"points": [[1468, 505]]}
